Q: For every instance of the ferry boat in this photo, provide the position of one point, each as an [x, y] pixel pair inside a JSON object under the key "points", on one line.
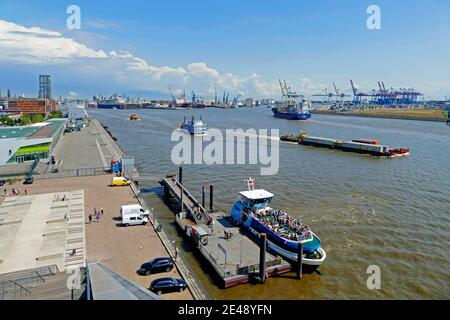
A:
{"points": [[284, 232], [292, 106], [194, 127]]}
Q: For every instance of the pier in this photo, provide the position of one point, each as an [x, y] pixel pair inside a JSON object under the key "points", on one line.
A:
{"points": [[239, 258]]}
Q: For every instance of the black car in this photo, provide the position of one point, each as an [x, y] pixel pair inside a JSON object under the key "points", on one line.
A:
{"points": [[2, 182], [29, 180], [167, 285], [156, 266]]}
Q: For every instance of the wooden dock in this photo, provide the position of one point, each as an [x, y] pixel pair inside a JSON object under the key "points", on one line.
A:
{"points": [[236, 260]]}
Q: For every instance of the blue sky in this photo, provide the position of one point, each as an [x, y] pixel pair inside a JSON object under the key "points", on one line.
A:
{"points": [[244, 46]]}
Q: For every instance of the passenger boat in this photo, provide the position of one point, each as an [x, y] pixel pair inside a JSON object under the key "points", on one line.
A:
{"points": [[284, 232], [194, 127]]}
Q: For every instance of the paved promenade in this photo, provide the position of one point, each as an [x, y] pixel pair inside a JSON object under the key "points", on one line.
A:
{"points": [[122, 250]]}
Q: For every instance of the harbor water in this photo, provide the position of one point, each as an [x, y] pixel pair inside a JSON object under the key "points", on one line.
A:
{"points": [[368, 211]]}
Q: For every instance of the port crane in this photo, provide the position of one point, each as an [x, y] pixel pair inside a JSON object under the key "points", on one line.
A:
{"points": [[234, 104]]}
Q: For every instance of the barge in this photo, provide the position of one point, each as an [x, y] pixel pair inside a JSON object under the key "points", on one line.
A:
{"points": [[363, 146]]}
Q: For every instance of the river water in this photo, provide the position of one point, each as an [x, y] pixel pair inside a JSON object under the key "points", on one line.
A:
{"points": [[392, 213]]}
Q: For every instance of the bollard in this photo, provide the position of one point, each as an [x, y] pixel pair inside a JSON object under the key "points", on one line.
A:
{"points": [[262, 257], [211, 198], [180, 175], [203, 196], [299, 260]]}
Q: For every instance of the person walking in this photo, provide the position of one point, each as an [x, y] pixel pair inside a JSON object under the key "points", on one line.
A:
{"points": [[26, 191], [101, 211], [98, 216], [90, 218]]}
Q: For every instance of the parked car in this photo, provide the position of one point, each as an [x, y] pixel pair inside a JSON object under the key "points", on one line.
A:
{"points": [[133, 220], [167, 285], [29, 180], [157, 265], [120, 181], [2, 182]]}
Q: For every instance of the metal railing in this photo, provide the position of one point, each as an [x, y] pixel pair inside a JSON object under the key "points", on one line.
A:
{"points": [[82, 172], [18, 284]]}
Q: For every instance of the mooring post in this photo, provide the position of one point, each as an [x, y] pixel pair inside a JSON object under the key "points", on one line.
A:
{"points": [[299, 260], [180, 175], [203, 196], [211, 197], [262, 257], [181, 198]]}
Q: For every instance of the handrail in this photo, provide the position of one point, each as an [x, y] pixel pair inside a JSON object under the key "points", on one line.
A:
{"points": [[17, 284], [43, 280]]}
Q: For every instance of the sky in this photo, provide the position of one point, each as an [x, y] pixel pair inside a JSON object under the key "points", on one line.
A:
{"points": [[240, 46]]}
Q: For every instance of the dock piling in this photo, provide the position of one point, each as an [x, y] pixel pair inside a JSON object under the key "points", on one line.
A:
{"points": [[262, 257], [211, 197], [181, 200], [203, 196], [299, 260], [180, 175]]}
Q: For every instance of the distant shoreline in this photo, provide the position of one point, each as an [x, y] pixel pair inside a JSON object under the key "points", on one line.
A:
{"points": [[382, 116]]}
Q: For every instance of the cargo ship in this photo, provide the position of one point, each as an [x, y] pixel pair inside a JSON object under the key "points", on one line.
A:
{"points": [[194, 127], [292, 106], [284, 232], [364, 146], [113, 103]]}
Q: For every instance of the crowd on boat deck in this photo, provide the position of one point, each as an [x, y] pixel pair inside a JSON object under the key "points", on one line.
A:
{"points": [[283, 224]]}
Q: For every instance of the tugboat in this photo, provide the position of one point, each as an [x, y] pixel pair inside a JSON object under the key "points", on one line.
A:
{"points": [[194, 127], [293, 107], [284, 232], [134, 117]]}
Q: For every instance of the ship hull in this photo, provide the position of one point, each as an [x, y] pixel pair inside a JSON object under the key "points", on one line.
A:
{"points": [[291, 116], [286, 248], [111, 106]]}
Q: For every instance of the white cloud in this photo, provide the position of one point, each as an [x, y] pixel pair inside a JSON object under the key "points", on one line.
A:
{"points": [[37, 46]]}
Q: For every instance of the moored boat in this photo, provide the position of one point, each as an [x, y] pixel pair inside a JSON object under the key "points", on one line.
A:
{"points": [[284, 232]]}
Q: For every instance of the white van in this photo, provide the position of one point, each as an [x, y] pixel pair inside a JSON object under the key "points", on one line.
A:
{"points": [[133, 220], [134, 209]]}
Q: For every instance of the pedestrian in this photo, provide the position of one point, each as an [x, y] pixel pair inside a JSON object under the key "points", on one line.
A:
{"points": [[26, 191], [90, 218], [18, 191], [101, 211], [98, 215], [95, 212], [5, 192]]}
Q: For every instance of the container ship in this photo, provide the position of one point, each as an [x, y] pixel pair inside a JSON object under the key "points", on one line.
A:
{"points": [[284, 232], [364, 146], [292, 106]]}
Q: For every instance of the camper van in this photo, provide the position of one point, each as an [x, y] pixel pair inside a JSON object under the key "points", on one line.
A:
{"points": [[133, 220], [134, 209]]}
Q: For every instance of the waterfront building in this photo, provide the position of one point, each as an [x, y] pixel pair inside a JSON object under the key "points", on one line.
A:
{"points": [[28, 143], [31, 106], [45, 87]]}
